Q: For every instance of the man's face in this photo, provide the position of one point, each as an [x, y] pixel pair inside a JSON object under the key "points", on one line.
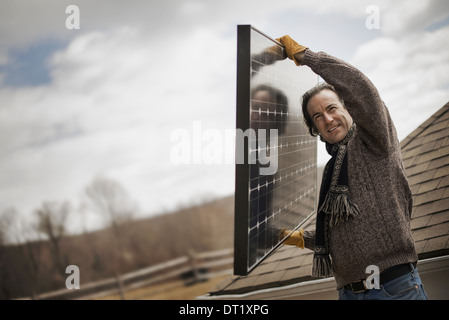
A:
{"points": [[329, 115]]}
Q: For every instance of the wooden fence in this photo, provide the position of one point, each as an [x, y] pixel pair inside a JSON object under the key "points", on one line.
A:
{"points": [[192, 268]]}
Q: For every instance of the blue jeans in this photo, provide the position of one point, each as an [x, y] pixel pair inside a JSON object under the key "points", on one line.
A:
{"points": [[406, 287]]}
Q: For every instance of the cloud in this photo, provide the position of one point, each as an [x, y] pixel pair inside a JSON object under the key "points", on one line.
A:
{"points": [[135, 73], [397, 18], [113, 101], [411, 74], [407, 17]]}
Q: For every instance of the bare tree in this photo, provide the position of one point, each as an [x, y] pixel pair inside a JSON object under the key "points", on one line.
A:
{"points": [[113, 202], [5, 222], [23, 235], [52, 218], [6, 217]]}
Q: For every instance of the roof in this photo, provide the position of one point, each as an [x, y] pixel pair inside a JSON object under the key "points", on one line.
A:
{"points": [[287, 265], [425, 154]]}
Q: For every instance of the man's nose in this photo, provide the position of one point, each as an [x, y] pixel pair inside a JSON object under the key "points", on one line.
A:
{"points": [[327, 118]]}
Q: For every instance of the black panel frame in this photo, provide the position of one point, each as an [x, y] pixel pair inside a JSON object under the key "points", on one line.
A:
{"points": [[242, 169], [242, 208]]}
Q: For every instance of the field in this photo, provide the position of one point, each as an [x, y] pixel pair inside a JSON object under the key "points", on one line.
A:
{"points": [[175, 290]]}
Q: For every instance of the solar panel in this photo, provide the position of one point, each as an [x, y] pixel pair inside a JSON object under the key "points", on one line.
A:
{"points": [[276, 158]]}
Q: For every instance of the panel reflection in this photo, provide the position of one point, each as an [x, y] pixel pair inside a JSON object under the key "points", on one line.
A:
{"points": [[285, 196]]}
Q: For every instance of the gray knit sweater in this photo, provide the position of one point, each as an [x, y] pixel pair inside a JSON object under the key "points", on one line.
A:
{"points": [[380, 235]]}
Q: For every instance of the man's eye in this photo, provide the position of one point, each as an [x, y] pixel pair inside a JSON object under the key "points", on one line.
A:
{"points": [[318, 117]]}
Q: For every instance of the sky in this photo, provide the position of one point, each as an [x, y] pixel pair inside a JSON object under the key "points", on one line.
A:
{"points": [[111, 98]]}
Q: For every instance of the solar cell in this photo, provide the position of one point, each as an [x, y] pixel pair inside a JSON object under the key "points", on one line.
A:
{"points": [[276, 158]]}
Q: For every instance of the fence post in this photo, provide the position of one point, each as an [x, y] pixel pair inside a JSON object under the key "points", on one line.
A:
{"points": [[120, 286], [194, 266], [191, 265]]}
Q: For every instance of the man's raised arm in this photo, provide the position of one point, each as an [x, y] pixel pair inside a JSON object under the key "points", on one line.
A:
{"points": [[360, 96]]}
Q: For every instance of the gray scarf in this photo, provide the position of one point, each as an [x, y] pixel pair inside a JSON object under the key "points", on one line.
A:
{"points": [[334, 204]]}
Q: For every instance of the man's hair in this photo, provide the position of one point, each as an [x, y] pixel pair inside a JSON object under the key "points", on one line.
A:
{"points": [[305, 100]]}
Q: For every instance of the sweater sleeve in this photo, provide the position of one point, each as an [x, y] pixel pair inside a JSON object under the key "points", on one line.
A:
{"points": [[361, 98], [309, 239]]}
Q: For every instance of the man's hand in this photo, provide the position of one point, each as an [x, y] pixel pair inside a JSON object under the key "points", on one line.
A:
{"points": [[294, 50], [296, 238], [269, 56]]}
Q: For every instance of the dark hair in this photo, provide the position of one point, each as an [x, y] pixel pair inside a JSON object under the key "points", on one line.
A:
{"points": [[305, 100], [278, 100], [275, 93]]}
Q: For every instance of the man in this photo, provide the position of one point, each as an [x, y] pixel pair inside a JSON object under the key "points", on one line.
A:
{"points": [[365, 202]]}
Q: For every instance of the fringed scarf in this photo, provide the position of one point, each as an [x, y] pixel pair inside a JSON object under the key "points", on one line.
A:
{"points": [[334, 204]]}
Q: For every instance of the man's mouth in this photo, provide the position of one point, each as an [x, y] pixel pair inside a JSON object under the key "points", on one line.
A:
{"points": [[333, 128]]}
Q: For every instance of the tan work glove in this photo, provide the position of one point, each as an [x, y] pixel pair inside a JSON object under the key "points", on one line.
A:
{"points": [[296, 238], [292, 48]]}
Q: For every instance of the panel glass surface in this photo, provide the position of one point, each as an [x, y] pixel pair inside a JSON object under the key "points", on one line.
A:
{"points": [[281, 177]]}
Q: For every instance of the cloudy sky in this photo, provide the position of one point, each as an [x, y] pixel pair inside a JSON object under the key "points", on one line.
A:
{"points": [[110, 98]]}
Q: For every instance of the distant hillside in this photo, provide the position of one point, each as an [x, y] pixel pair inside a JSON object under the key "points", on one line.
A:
{"points": [[29, 269], [36, 267]]}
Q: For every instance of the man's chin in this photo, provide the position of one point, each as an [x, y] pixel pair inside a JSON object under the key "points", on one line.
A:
{"points": [[334, 139]]}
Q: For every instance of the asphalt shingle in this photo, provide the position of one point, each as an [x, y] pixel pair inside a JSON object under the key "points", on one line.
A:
{"points": [[425, 154]]}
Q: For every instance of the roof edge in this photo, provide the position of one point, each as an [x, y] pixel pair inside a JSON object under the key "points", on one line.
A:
{"points": [[320, 286], [433, 254], [309, 286], [424, 126], [262, 286]]}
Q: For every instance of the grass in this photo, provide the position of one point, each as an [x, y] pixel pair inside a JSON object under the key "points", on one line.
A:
{"points": [[175, 290]]}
